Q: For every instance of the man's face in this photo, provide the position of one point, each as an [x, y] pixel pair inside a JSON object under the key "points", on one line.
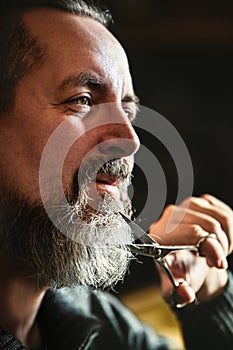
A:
{"points": [[84, 67], [77, 48]]}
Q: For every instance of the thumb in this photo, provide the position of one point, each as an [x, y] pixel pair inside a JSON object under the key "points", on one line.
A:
{"points": [[182, 295], [178, 296]]}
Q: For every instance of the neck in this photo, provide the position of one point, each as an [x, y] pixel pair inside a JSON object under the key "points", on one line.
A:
{"points": [[20, 300]]}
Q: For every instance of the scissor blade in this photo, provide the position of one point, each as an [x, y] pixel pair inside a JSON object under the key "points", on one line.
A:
{"points": [[138, 231], [145, 250]]}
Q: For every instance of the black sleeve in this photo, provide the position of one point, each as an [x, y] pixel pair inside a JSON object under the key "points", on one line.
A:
{"points": [[209, 325]]}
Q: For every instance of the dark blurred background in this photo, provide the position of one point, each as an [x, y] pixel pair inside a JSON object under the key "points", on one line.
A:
{"points": [[181, 58]]}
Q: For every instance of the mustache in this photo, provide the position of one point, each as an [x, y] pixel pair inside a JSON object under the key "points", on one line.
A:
{"points": [[119, 168]]}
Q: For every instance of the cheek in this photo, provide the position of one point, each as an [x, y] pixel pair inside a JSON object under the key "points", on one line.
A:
{"points": [[19, 162], [64, 151], [81, 151]]}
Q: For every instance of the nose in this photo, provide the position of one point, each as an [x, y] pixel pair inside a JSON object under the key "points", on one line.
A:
{"points": [[117, 137]]}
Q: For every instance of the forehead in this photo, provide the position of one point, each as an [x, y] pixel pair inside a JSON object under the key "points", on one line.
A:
{"points": [[74, 43]]}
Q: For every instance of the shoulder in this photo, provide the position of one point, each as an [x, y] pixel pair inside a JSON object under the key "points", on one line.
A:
{"points": [[120, 327]]}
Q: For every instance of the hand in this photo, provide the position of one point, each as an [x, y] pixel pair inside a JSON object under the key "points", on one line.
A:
{"points": [[187, 223]]}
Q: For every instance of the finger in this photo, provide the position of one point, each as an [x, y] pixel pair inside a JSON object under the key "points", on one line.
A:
{"points": [[173, 215], [224, 217], [183, 234], [187, 234], [211, 200], [182, 295], [213, 252], [227, 222], [217, 202], [208, 224]]}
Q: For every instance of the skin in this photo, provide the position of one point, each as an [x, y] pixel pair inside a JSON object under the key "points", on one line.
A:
{"points": [[80, 45], [39, 109], [206, 274], [40, 106]]}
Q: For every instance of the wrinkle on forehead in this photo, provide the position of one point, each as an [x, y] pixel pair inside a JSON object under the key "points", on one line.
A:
{"points": [[71, 39]]}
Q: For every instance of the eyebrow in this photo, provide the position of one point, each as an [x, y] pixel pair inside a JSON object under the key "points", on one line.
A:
{"points": [[131, 99], [89, 80], [93, 82]]}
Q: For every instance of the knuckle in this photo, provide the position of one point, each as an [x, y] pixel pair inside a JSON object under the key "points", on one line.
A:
{"points": [[195, 202], [227, 221], [214, 226], [208, 197], [205, 196], [169, 209], [196, 229], [186, 201]]}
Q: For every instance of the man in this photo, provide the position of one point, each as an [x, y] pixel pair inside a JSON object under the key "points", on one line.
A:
{"points": [[62, 70]]}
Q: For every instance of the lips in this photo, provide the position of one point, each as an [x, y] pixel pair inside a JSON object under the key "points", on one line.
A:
{"points": [[106, 180]]}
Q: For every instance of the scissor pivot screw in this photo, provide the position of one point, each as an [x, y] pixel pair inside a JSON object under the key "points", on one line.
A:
{"points": [[158, 253]]}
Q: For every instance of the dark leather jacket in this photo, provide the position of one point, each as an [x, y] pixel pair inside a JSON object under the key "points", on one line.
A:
{"points": [[80, 319]]}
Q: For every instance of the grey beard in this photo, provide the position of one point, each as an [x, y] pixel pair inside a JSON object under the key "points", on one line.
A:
{"points": [[91, 253]]}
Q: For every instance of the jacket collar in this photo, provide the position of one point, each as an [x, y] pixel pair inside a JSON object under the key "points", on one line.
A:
{"points": [[66, 321]]}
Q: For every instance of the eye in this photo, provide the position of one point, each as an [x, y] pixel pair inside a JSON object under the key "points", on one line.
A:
{"points": [[79, 104], [80, 101], [127, 112], [130, 113]]}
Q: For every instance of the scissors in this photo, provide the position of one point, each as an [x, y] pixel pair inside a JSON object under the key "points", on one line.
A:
{"points": [[151, 248]]}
